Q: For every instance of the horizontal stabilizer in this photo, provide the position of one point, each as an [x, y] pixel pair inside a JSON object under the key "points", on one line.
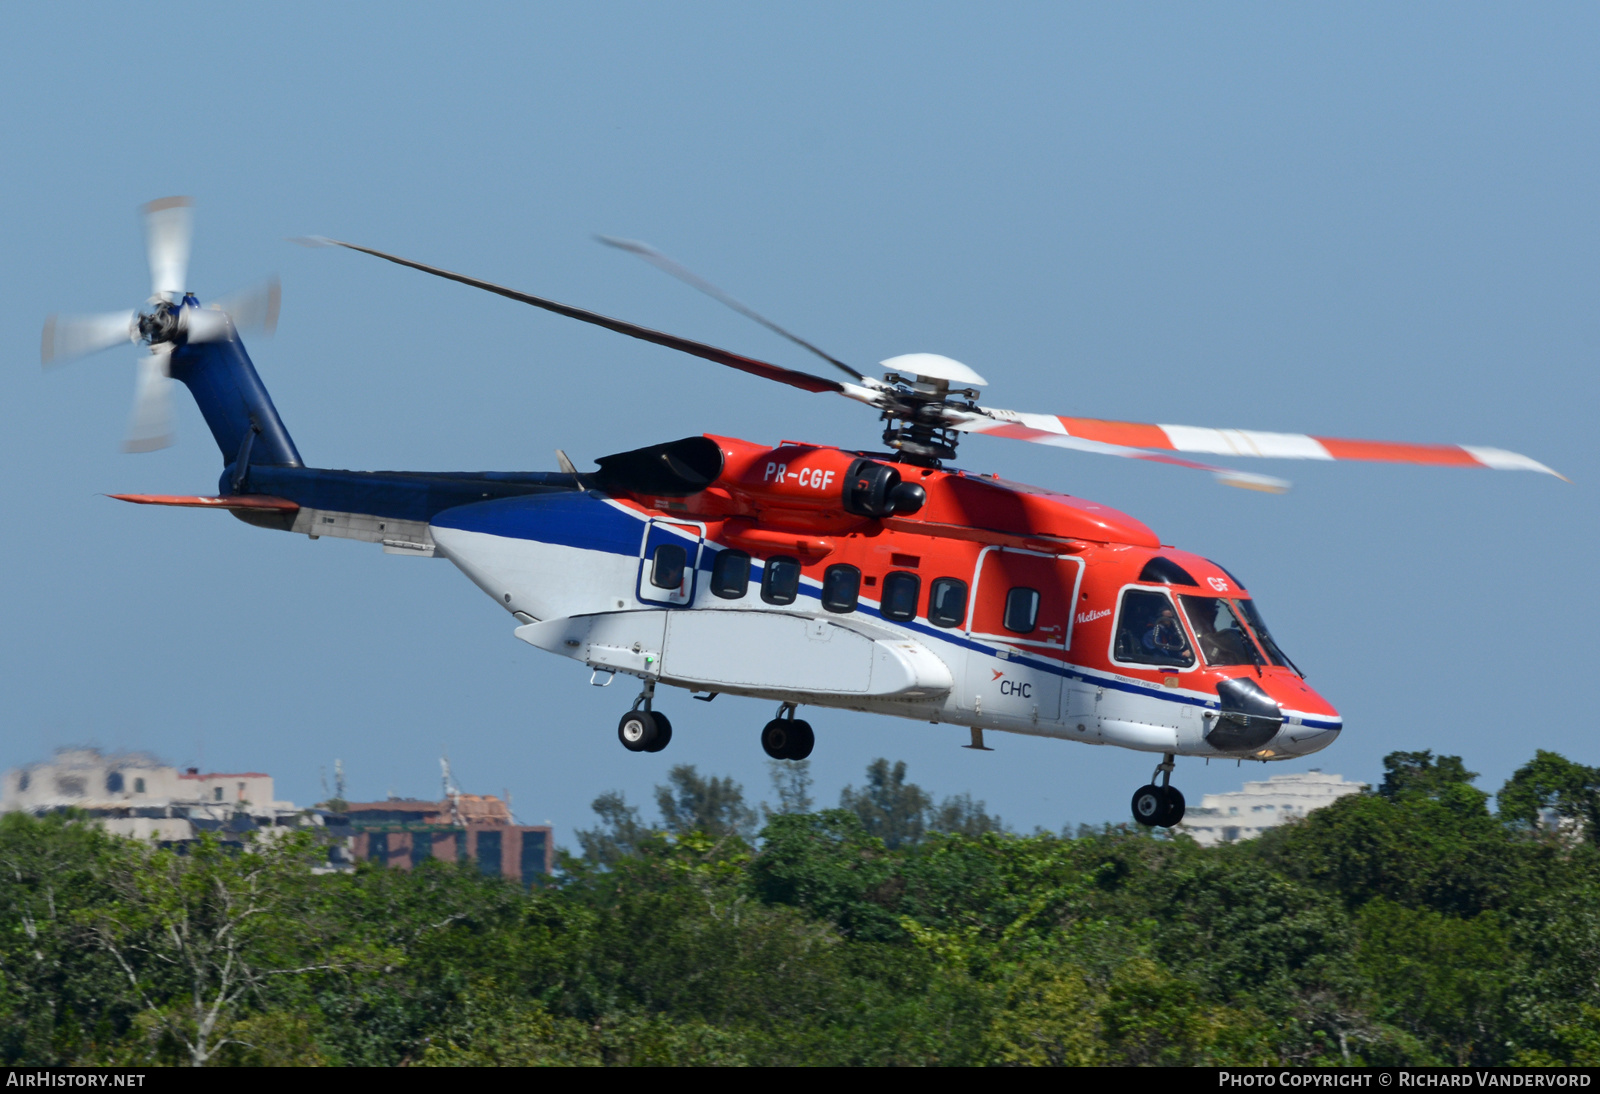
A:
{"points": [[237, 501]]}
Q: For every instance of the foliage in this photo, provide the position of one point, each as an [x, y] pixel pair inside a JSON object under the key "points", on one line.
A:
{"points": [[1406, 926]]}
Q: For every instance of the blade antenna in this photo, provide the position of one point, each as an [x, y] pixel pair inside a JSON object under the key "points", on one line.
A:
{"points": [[690, 278]]}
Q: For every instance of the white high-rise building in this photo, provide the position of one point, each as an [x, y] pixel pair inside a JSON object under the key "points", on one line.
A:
{"points": [[1246, 813]]}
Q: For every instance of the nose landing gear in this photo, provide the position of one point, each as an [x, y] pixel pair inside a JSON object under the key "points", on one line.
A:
{"points": [[643, 729], [787, 737], [1159, 806]]}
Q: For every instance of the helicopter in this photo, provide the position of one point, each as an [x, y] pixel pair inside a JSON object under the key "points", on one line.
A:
{"points": [[887, 581]]}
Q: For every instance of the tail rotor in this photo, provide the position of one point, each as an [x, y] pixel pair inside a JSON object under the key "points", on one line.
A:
{"points": [[171, 317]]}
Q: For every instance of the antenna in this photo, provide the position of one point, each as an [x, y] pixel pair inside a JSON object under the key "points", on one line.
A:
{"points": [[338, 779], [322, 773], [452, 792]]}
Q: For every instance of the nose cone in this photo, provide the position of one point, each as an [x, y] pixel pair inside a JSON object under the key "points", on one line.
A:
{"points": [[1310, 723], [1271, 716]]}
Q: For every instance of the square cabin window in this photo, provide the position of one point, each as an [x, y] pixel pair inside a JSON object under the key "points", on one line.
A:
{"points": [[900, 593], [730, 575], [947, 602], [841, 588], [1022, 610], [666, 572], [780, 580]]}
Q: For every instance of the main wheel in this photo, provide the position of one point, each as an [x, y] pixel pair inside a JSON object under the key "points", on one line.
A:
{"points": [[637, 730], [777, 737], [1173, 811], [1149, 806], [801, 740], [663, 732]]}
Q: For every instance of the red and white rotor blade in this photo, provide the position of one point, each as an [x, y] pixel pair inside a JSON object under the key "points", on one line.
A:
{"points": [[1057, 438], [151, 425], [1159, 439]]}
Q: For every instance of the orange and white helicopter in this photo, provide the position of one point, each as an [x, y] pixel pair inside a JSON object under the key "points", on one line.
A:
{"points": [[804, 574]]}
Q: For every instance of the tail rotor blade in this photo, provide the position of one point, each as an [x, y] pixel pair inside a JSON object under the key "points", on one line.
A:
{"points": [[256, 306], [69, 336], [151, 425], [167, 225]]}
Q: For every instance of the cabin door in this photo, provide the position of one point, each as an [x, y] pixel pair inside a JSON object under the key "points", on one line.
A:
{"points": [[1022, 603]]}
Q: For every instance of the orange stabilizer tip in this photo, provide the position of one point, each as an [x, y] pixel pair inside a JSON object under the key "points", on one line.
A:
{"points": [[238, 501]]}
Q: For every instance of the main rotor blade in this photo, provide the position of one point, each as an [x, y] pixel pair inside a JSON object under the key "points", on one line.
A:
{"points": [[69, 336], [1242, 442], [150, 426], [1019, 431], [805, 381], [167, 231], [688, 277]]}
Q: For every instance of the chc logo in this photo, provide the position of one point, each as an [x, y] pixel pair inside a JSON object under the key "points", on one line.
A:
{"points": [[1016, 687]]}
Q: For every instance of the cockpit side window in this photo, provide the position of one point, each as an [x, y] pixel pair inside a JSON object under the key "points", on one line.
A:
{"points": [[1217, 630], [1149, 633], [1253, 617]]}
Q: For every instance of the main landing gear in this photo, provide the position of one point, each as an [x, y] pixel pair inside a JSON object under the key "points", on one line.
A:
{"points": [[786, 737], [1159, 806], [643, 729]]}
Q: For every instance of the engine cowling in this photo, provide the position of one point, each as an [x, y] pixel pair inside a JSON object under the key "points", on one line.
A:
{"points": [[809, 477]]}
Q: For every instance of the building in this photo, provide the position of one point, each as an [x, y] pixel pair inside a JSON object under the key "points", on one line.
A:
{"points": [[135, 794], [405, 832], [1246, 813]]}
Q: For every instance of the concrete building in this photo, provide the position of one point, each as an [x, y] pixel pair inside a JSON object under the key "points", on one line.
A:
{"points": [[134, 794], [405, 832], [1246, 813]]}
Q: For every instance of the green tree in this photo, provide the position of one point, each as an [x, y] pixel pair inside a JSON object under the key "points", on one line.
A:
{"points": [[960, 815], [619, 833], [1446, 780], [890, 808], [200, 934], [695, 803], [791, 780], [1551, 783]]}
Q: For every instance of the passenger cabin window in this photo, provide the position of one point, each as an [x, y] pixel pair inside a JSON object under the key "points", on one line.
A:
{"points": [[1022, 610], [1253, 617], [666, 571], [780, 580], [841, 588], [1222, 640], [730, 575], [900, 593], [138, 786], [1148, 631], [947, 602]]}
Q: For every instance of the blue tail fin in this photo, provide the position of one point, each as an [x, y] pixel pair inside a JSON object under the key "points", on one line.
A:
{"points": [[236, 406]]}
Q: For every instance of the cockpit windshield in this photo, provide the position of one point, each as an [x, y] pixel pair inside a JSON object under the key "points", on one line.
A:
{"points": [[1223, 640], [1253, 617]]}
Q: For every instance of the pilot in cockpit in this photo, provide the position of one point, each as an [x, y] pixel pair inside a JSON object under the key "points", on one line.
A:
{"points": [[1164, 636]]}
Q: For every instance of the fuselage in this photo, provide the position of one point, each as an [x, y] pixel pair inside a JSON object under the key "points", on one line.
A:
{"points": [[993, 605]]}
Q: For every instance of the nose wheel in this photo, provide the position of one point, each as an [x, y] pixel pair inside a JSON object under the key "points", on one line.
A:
{"points": [[1159, 806], [643, 729], [787, 737]]}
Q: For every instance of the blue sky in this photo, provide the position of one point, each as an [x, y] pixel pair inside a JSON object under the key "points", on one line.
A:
{"points": [[1369, 221]]}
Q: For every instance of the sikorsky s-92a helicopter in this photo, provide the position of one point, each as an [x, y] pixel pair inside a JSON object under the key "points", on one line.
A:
{"points": [[804, 574]]}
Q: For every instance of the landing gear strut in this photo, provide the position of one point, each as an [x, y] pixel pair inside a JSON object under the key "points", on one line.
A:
{"points": [[643, 729], [1159, 806], [787, 737]]}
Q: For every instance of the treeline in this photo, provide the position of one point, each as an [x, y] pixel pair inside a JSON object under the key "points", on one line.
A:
{"points": [[1408, 925]]}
